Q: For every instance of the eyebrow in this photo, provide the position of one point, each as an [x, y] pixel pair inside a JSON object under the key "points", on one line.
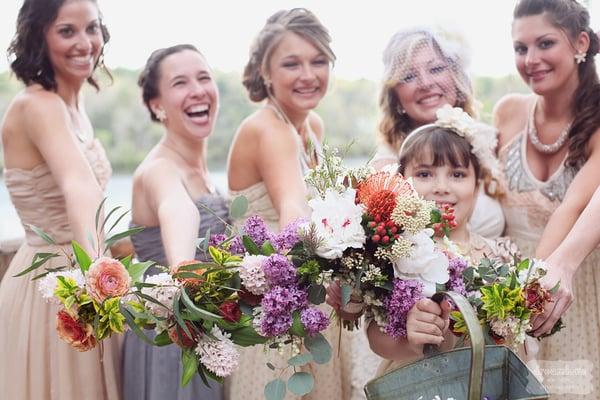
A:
{"points": [[180, 76]]}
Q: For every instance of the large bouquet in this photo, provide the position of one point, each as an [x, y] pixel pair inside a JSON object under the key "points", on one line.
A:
{"points": [[376, 235], [249, 292], [91, 291], [506, 295]]}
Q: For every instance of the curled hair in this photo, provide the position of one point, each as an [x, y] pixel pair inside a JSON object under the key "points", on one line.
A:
{"points": [[30, 61], [397, 57], [297, 20], [439, 146], [573, 19], [150, 76]]}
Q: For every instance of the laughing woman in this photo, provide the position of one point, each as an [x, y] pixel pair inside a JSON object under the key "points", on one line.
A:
{"points": [[272, 150], [172, 192]]}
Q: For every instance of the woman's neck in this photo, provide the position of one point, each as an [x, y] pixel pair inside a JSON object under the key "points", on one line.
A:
{"points": [[558, 105], [191, 152], [70, 92], [297, 118]]}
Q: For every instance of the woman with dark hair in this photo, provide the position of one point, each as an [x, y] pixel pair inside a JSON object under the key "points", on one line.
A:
{"points": [[55, 173], [550, 156], [175, 200]]}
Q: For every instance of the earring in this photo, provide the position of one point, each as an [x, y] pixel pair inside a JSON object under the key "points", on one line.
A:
{"points": [[580, 57], [400, 110], [161, 115], [268, 83]]}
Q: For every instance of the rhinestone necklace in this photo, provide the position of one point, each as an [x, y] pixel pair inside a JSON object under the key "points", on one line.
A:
{"points": [[535, 140]]}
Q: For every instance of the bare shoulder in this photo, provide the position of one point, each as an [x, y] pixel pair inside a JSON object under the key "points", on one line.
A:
{"points": [[510, 116], [268, 131], [316, 124], [153, 173]]}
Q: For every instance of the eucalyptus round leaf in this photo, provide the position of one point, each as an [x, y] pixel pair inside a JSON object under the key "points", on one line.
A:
{"points": [[238, 208], [301, 383], [319, 347], [275, 390], [300, 360]]}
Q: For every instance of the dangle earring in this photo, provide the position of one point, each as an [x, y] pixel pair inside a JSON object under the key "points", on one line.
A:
{"points": [[580, 57], [268, 83], [161, 115]]}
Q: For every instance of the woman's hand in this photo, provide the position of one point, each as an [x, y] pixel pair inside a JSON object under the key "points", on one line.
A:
{"points": [[561, 300], [427, 323], [334, 299]]}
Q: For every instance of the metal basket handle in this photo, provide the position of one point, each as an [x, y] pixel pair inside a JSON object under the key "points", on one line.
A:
{"points": [[477, 341]]}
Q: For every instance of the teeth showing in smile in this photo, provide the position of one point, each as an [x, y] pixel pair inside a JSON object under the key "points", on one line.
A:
{"points": [[82, 60], [308, 90], [198, 110], [433, 99]]}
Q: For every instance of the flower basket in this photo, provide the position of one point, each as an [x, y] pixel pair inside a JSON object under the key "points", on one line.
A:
{"points": [[479, 372]]}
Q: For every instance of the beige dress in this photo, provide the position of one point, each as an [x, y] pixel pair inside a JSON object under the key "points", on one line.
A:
{"points": [[332, 380], [35, 364], [528, 205]]}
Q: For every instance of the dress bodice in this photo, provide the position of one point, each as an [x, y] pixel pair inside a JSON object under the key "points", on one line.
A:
{"points": [[40, 202], [148, 243], [528, 202]]}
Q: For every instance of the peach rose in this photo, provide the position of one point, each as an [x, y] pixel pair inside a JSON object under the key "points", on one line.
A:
{"points": [[107, 277], [78, 335]]}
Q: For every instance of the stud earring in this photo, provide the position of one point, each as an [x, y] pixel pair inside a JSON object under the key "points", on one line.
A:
{"points": [[268, 83], [580, 57], [400, 110], [160, 114]]}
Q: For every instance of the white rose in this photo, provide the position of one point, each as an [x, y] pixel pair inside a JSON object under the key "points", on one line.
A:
{"points": [[338, 222], [426, 264]]}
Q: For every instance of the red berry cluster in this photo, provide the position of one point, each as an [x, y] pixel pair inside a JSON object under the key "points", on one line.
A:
{"points": [[384, 232], [447, 223]]}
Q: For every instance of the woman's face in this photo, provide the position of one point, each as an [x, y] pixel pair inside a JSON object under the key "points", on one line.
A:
{"points": [[446, 184], [299, 73], [544, 55], [188, 95], [74, 40], [425, 85]]}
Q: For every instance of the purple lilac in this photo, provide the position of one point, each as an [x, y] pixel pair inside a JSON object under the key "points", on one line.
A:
{"points": [[235, 245], [313, 320], [275, 325], [283, 300], [288, 237], [256, 228], [456, 283], [404, 296], [279, 271]]}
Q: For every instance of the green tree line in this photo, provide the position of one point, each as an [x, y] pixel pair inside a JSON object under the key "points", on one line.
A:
{"points": [[349, 111]]}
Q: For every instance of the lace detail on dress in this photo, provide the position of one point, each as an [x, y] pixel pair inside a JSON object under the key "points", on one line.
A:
{"points": [[518, 179]]}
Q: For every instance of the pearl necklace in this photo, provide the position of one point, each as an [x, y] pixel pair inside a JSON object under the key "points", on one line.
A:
{"points": [[535, 140]]}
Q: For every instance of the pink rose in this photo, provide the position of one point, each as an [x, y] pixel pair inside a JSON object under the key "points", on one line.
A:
{"points": [[72, 331], [107, 277]]}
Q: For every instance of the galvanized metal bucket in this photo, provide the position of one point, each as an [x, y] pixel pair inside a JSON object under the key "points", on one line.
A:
{"points": [[491, 372]]}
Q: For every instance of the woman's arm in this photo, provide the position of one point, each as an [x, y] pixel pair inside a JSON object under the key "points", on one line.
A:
{"points": [[177, 214], [48, 127]]}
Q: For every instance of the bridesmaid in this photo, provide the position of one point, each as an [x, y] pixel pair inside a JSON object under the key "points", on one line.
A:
{"points": [[172, 191], [55, 173], [272, 150], [550, 152]]}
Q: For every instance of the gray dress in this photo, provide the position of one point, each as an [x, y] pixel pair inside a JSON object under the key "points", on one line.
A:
{"points": [[150, 372]]}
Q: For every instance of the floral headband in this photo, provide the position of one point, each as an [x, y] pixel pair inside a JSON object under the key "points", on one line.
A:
{"points": [[481, 137]]}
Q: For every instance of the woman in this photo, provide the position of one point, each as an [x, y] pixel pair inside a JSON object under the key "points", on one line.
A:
{"points": [[423, 72], [549, 149], [55, 173], [273, 149], [173, 197]]}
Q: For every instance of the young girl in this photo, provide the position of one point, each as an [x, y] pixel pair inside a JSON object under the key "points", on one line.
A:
{"points": [[447, 161]]}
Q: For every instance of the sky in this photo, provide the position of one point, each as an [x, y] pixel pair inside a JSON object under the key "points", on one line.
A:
{"points": [[224, 29]]}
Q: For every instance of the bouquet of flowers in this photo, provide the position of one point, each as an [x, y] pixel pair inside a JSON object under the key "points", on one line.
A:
{"points": [[376, 235], [249, 292], [506, 296], [90, 290]]}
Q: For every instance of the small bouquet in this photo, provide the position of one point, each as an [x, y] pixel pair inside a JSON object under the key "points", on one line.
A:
{"points": [[249, 292], [376, 235], [90, 290], [506, 296]]}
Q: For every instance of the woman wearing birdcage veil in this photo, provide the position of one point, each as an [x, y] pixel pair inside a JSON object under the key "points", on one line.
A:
{"points": [[423, 71]]}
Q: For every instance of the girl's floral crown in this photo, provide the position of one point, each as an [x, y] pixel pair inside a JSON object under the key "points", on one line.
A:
{"points": [[481, 137]]}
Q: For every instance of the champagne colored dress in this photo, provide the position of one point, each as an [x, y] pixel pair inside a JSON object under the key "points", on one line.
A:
{"points": [[36, 364], [528, 205]]}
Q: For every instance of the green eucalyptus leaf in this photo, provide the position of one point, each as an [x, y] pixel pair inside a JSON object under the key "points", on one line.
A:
{"points": [[271, 366], [275, 390], [346, 293], [300, 360], [42, 234], [38, 261], [316, 293], [238, 208], [301, 383], [98, 210], [319, 347], [118, 236]]}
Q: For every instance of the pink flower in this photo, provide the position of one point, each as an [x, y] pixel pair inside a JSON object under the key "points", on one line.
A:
{"points": [[107, 277], [72, 331]]}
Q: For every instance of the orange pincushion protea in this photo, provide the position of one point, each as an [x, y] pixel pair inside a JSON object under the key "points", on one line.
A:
{"points": [[379, 191]]}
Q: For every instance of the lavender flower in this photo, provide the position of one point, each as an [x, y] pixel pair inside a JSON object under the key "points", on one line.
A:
{"points": [[314, 320], [456, 283], [275, 325], [234, 246], [283, 300], [288, 237], [405, 295], [279, 271], [256, 228]]}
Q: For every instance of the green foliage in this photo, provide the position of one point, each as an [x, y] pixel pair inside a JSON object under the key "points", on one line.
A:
{"points": [[110, 318]]}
